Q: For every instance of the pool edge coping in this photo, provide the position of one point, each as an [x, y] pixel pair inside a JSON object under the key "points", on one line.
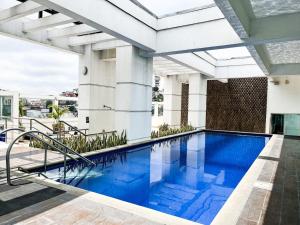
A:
{"points": [[235, 204], [119, 205], [159, 217], [142, 143]]}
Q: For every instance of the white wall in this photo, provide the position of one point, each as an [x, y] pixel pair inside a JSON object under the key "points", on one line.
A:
{"points": [[96, 89], [283, 98]]}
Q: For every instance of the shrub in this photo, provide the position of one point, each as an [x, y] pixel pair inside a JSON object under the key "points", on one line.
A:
{"points": [[165, 130], [81, 144]]}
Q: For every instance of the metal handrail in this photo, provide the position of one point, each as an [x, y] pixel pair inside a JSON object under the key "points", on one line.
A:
{"points": [[63, 145], [73, 128], [10, 129], [84, 134], [102, 133], [43, 125], [31, 133]]}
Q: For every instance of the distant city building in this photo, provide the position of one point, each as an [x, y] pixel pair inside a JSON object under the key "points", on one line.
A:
{"points": [[73, 93]]}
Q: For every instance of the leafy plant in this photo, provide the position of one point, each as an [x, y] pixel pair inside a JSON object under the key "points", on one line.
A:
{"points": [[165, 130], [21, 108], [82, 144], [21, 113], [57, 112]]}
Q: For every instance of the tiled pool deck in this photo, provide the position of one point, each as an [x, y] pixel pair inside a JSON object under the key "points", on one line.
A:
{"points": [[273, 198]]}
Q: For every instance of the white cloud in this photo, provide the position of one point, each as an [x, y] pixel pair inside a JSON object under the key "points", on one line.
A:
{"points": [[35, 69]]}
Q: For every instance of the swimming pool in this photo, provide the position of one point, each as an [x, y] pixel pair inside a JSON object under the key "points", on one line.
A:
{"points": [[189, 177]]}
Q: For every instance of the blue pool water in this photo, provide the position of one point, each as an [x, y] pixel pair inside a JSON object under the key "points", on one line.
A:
{"points": [[189, 177]]}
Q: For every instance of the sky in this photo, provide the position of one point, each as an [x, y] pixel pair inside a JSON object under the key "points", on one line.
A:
{"points": [[162, 7], [34, 69]]}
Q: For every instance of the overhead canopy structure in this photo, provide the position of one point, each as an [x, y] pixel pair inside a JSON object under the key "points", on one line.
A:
{"points": [[185, 40]]}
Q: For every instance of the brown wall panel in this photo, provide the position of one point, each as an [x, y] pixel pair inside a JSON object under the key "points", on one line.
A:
{"points": [[184, 104], [239, 105]]}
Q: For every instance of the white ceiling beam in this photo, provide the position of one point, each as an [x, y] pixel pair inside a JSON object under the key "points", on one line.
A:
{"points": [[75, 30], [14, 29], [137, 12], [197, 37], [285, 69], [47, 22], [205, 56], [193, 17], [19, 11], [236, 61], [275, 28], [194, 62], [109, 45], [171, 73], [90, 39], [259, 31], [237, 68], [238, 71], [104, 16]]}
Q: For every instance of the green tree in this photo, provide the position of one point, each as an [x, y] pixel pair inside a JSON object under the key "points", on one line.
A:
{"points": [[57, 112]]}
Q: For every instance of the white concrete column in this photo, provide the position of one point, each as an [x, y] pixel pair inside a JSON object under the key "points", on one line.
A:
{"points": [[96, 90], [172, 101], [197, 101], [133, 94]]}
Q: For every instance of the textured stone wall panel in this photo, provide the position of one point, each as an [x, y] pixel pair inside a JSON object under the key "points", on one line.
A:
{"points": [[239, 105], [184, 104]]}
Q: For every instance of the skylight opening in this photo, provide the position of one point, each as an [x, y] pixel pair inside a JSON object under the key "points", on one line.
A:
{"points": [[5, 4], [229, 53], [162, 8]]}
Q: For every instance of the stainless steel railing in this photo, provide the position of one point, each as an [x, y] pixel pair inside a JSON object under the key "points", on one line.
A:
{"points": [[33, 134], [9, 130]]}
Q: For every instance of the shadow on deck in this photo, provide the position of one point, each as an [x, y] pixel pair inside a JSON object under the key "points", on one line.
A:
{"points": [[27, 199]]}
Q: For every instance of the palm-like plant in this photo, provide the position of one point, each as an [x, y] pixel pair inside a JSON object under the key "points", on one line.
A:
{"points": [[57, 113]]}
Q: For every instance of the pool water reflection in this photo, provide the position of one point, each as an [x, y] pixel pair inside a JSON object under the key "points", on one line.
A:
{"points": [[189, 177]]}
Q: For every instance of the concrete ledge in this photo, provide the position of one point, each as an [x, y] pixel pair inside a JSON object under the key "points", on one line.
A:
{"points": [[117, 148], [230, 212], [233, 208], [118, 205]]}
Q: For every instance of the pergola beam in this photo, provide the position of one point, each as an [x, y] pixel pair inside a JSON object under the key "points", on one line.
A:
{"points": [[14, 29], [47, 22], [194, 62], [109, 45], [285, 69], [19, 11], [276, 28], [75, 30], [90, 39], [102, 16]]}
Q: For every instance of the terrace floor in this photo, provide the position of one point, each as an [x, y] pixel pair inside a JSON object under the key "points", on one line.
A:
{"points": [[273, 200]]}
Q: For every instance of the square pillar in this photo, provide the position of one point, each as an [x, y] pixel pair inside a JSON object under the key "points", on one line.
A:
{"points": [[133, 98], [197, 101], [172, 101], [96, 90]]}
